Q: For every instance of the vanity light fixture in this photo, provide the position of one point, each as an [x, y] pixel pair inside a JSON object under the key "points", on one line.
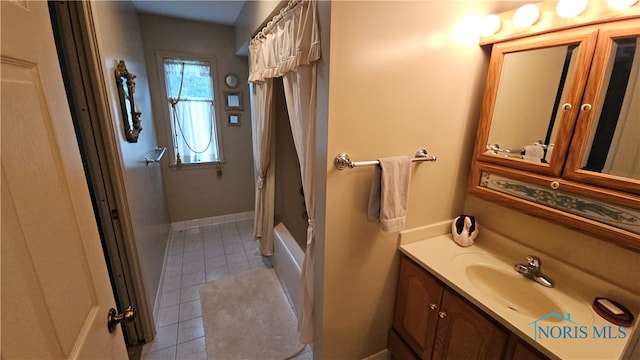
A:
{"points": [[568, 9], [490, 25], [526, 15], [621, 4]]}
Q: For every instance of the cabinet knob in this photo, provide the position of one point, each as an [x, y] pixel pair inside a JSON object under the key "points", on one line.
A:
{"points": [[566, 107], [442, 314], [585, 107], [433, 306], [554, 185]]}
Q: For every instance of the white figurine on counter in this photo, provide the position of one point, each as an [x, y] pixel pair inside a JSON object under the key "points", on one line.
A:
{"points": [[464, 230]]}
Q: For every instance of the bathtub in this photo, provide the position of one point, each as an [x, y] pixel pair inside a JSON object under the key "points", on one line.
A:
{"points": [[287, 262]]}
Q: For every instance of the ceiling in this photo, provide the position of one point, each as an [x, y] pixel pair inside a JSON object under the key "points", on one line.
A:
{"points": [[214, 11]]}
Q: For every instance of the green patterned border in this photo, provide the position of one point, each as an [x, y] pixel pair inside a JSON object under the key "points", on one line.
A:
{"points": [[618, 216]]}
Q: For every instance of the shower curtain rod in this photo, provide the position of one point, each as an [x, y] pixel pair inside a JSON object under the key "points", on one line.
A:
{"points": [[276, 18]]}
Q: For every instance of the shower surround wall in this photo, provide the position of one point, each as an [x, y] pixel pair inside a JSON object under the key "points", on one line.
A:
{"points": [[289, 202], [196, 192]]}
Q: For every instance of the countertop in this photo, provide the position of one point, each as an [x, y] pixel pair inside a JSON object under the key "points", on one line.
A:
{"points": [[585, 336]]}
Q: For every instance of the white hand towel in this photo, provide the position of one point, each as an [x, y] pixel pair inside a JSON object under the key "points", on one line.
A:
{"points": [[533, 153], [389, 192]]}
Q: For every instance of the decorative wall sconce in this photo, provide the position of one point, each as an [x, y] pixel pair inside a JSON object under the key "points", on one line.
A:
{"points": [[233, 101], [130, 116]]}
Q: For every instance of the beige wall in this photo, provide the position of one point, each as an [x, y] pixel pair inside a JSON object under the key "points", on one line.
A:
{"points": [[397, 83], [196, 192], [118, 37]]}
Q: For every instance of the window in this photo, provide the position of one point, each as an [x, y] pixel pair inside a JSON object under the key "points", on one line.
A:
{"points": [[192, 111]]}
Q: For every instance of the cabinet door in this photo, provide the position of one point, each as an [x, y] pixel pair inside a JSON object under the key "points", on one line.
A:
{"points": [[605, 150], [417, 304], [464, 332], [534, 87], [523, 351]]}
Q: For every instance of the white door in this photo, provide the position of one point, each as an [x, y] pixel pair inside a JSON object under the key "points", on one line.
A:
{"points": [[55, 290]]}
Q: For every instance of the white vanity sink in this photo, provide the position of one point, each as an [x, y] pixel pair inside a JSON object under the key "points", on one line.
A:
{"points": [[556, 320], [495, 278], [516, 293]]}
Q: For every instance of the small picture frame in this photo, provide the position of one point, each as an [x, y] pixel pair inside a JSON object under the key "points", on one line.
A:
{"points": [[233, 100], [234, 119]]}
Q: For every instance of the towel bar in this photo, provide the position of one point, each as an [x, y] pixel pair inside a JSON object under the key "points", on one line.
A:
{"points": [[343, 160], [159, 152]]}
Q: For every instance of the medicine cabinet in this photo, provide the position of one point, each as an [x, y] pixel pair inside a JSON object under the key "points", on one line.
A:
{"points": [[559, 132]]}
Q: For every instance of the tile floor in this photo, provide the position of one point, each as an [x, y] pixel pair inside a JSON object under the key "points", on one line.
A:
{"points": [[197, 255]]}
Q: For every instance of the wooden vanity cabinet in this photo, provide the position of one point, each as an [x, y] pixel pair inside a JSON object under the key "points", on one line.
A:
{"points": [[523, 351], [418, 299], [432, 321]]}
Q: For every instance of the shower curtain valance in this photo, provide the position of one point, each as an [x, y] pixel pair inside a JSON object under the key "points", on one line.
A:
{"points": [[286, 43]]}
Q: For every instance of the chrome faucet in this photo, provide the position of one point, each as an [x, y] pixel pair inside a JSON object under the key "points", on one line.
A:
{"points": [[532, 271]]}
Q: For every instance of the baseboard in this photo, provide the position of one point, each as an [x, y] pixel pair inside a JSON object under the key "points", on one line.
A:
{"points": [[213, 220], [157, 303]]}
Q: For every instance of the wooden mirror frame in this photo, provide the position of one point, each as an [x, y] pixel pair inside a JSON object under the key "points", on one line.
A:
{"points": [[526, 187]]}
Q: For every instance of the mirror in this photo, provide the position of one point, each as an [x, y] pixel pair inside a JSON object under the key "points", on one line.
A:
{"points": [[231, 80], [126, 89], [528, 105], [613, 146], [574, 97]]}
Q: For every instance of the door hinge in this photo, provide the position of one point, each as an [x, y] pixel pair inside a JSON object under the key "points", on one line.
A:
{"points": [[114, 214]]}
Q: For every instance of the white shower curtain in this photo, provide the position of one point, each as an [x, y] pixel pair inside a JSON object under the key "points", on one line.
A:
{"points": [[290, 48], [261, 131]]}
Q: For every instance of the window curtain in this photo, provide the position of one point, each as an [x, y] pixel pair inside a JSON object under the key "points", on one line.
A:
{"points": [[194, 134], [290, 49], [196, 139]]}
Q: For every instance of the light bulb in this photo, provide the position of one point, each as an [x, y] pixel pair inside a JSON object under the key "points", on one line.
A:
{"points": [[621, 4], [526, 15], [568, 9], [490, 25]]}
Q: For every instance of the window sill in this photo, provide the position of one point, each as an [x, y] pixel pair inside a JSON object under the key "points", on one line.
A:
{"points": [[198, 165]]}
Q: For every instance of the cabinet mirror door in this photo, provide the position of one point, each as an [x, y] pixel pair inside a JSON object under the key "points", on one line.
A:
{"points": [[607, 150], [532, 97]]}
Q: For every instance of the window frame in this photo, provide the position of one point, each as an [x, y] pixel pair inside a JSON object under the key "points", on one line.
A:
{"points": [[166, 115]]}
